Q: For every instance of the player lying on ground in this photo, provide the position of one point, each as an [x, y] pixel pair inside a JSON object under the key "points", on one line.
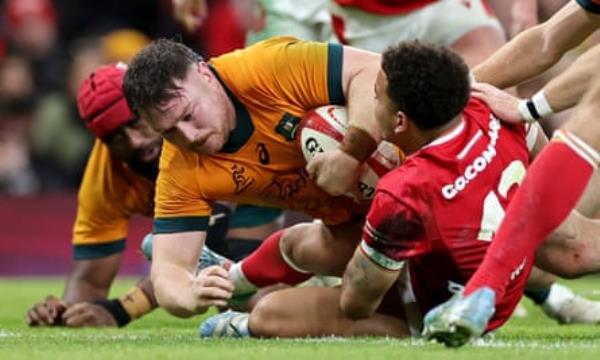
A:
{"points": [[118, 182], [544, 200], [429, 225], [229, 129]]}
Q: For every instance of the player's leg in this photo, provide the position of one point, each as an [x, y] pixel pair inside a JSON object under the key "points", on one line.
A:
{"points": [[302, 312], [541, 204], [589, 205], [292, 255], [573, 249], [559, 302], [248, 226], [573, 153], [324, 250]]}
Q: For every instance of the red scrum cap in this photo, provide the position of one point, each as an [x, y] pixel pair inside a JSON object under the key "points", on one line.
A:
{"points": [[101, 101]]}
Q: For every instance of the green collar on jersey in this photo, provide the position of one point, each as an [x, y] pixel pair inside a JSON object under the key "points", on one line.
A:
{"points": [[244, 128]]}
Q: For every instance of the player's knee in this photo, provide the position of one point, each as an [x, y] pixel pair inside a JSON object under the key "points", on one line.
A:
{"points": [[575, 264], [568, 262], [298, 238]]}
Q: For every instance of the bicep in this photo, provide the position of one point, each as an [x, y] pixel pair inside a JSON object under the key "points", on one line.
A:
{"points": [[359, 72], [180, 249]]}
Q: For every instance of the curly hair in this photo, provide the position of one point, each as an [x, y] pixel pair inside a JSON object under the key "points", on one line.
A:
{"points": [[429, 83], [149, 81]]}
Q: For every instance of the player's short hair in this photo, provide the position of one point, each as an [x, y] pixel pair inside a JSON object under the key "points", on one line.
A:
{"points": [[149, 81], [429, 83]]}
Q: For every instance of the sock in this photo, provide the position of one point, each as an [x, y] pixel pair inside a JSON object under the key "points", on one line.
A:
{"points": [[558, 295], [538, 296], [269, 266], [551, 189]]}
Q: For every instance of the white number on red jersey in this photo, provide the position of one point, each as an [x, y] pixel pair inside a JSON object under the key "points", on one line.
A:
{"points": [[493, 212]]}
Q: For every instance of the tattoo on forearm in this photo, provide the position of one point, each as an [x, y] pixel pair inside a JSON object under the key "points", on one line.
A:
{"points": [[356, 274]]}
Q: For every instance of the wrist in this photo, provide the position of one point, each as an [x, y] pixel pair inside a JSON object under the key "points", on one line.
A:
{"points": [[136, 302], [130, 306], [116, 309], [358, 143], [535, 108]]}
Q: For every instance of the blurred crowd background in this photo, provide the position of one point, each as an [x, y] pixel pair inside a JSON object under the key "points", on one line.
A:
{"points": [[48, 46]]}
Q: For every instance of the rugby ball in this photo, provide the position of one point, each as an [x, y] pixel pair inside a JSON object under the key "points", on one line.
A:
{"points": [[322, 129]]}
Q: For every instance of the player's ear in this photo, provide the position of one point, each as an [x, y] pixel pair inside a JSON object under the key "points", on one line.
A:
{"points": [[401, 122], [204, 70]]}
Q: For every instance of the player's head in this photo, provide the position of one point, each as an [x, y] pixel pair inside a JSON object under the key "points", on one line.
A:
{"points": [[103, 107], [179, 95], [420, 85]]}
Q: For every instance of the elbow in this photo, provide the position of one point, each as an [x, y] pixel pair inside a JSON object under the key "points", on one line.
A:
{"points": [[171, 301], [174, 308]]}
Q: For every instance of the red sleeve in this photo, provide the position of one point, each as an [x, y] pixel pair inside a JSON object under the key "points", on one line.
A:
{"points": [[394, 231]]}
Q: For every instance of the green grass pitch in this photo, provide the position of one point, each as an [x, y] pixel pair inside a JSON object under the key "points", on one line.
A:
{"points": [[163, 337]]}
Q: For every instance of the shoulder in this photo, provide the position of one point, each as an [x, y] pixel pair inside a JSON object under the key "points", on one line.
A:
{"points": [[477, 109], [104, 183]]}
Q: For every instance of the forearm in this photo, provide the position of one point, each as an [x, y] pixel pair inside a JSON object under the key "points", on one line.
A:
{"points": [[90, 280], [79, 289], [512, 64], [565, 91], [358, 303], [538, 48], [363, 286]]}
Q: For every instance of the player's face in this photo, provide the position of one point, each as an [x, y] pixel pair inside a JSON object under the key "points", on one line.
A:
{"points": [[200, 118], [135, 141]]}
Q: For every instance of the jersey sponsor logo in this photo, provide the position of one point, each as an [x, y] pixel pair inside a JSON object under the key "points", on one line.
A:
{"points": [[481, 162], [240, 179], [287, 126], [263, 154]]}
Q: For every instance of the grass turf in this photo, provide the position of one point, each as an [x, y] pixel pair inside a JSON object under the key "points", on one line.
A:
{"points": [[160, 336]]}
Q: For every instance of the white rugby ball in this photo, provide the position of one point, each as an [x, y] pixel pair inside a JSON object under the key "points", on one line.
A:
{"points": [[322, 129]]}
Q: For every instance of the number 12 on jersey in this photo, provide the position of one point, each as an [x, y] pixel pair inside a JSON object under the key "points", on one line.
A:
{"points": [[493, 212]]}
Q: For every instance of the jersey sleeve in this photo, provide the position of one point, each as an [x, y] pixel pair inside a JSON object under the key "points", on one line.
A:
{"points": [[179, 204], [590, 5], [299, 73], [393, 232], [102, 217]]}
